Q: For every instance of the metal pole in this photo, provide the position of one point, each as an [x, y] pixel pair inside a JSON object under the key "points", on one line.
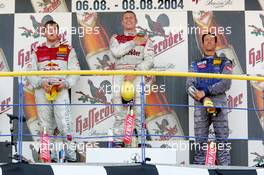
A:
{"points": [[142, 121], [20, 117]]}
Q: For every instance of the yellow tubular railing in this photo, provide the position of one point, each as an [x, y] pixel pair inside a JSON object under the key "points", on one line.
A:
{"points": [[123, 72]]}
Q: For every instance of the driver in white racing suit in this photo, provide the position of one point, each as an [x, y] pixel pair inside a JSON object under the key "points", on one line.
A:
{"points": [[131, 51], [54, 57]]}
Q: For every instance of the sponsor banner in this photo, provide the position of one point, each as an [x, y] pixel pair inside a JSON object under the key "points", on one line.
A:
{"points": [[7, 7], [6, 101], [237, 98], [255, 153], [92, 119], [170, 41], [254, 41]]}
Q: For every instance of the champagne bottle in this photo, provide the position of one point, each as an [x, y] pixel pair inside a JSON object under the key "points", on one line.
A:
{"points": [[3, 63], [257, 89], [161, 119], [261, 2], [95, 42], [30, 110], [44, 146]]}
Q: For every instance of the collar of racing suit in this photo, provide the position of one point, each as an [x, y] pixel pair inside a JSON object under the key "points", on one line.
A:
{"points": [[56, 44], [130, 33], [210, 56]]}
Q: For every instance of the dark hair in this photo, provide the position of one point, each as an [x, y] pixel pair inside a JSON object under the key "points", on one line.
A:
{"points": [[51, 23], [209, 34], [129, 11]]}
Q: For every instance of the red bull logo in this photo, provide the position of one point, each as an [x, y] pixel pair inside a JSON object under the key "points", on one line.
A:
{"points": [[51, 64]]}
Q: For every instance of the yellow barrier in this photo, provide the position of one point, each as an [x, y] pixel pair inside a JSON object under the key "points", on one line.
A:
{"points": [[121, 72]]}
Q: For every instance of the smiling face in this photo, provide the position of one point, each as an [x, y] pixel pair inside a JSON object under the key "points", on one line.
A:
{"points": [[129, 21]]}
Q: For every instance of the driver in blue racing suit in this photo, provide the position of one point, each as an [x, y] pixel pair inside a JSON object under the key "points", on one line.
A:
{"points": [[214, 89]]}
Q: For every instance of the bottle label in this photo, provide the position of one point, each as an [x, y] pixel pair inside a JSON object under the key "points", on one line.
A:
{"points": [[49, 6]]}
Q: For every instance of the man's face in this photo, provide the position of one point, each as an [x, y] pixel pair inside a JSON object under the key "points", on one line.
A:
{"points": [[129, 21], [51, 32], [209, 43]]}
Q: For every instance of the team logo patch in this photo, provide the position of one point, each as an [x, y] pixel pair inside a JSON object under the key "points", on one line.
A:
{"points": [[51, 64], [229, 68], [217, 61], [201, 65], [61, 55], [62, 52], [62, 49]]}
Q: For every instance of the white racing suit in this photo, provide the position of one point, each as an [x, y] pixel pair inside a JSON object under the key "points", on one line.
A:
{"points": [[60, 57], [128, 56]]}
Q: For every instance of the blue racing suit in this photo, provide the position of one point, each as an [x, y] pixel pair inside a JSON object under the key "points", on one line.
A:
{"points": [[214, 89]]}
